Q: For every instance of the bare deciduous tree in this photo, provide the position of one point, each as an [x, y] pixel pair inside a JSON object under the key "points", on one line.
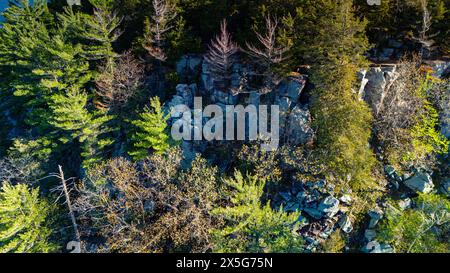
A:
{"points": [[116, 88], [221, 54], [269, 54], [400, 107], [150, 206], [158, 26], [425, 38], [64, 189]]}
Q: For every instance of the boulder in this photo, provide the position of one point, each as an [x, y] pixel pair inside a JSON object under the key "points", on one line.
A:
{"points": [[405, 204], [314, 213], [254, 98], [375, 216], [299, 129], [445, 186], [189, 67], [377, 248], [379, 81], [207, 80], [329, 207], [420, 182], [292, 87], [187, 92], [363, 80], [346, 224], [394, 43], [346, 199], [370, 234]]}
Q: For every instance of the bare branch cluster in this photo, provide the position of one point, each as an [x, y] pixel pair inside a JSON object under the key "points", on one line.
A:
{"points": [[221, 53], [116, 88], [400, 106], [269, 54], [160, 24], [148, 206]]}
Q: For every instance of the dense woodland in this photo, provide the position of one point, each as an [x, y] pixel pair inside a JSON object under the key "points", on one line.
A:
{"points": [[86, 153]]}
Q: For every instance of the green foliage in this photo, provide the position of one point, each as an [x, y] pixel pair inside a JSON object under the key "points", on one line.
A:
{"points": [[151, 131], [426, 139], [252, 226], [23, 220], [422, 229], [342, 120]]}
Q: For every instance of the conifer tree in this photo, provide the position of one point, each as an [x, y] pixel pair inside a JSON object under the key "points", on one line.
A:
{"points": [[342, 120], [158, 27], [152, 131], [102, 29], [252, 226], [70, 115], [221, 54], [23, 219]]}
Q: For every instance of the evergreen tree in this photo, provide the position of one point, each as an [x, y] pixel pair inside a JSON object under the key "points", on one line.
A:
{"points": [[152, 131], [23, 219], [250, 225], [343, 121]]}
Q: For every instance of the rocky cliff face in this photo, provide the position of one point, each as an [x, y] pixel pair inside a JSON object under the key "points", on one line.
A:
{"points": [[295, 118]]}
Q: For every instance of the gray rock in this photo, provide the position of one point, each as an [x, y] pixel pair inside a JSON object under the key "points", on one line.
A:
{"points": [[74, 2], [207, 80], [254, 98], [372, 247], [390, 171], [299, 129], [187, 92], [285, 104], [445, 186], [363, 80], [405, 204], [314, 213], [189, 66], [387, 53], [370, 234], [329, 207], [379, 81], [292, 87], [375, 216], [420, 182], [346, 199], [346, 224], [377, 248]]}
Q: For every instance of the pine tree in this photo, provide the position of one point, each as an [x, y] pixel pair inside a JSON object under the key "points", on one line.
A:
{"points": [[23, 220], [152, 134], [271, 56], [221, 54], [250, 225], [23, 30], [102, 30], [70, 115], [342, 120]]}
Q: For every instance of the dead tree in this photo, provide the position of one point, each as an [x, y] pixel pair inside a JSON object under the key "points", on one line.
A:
{"points": [[269, 55], [222, 54], [424, 38], [66, 192], [115, 88], [158, 26]]}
